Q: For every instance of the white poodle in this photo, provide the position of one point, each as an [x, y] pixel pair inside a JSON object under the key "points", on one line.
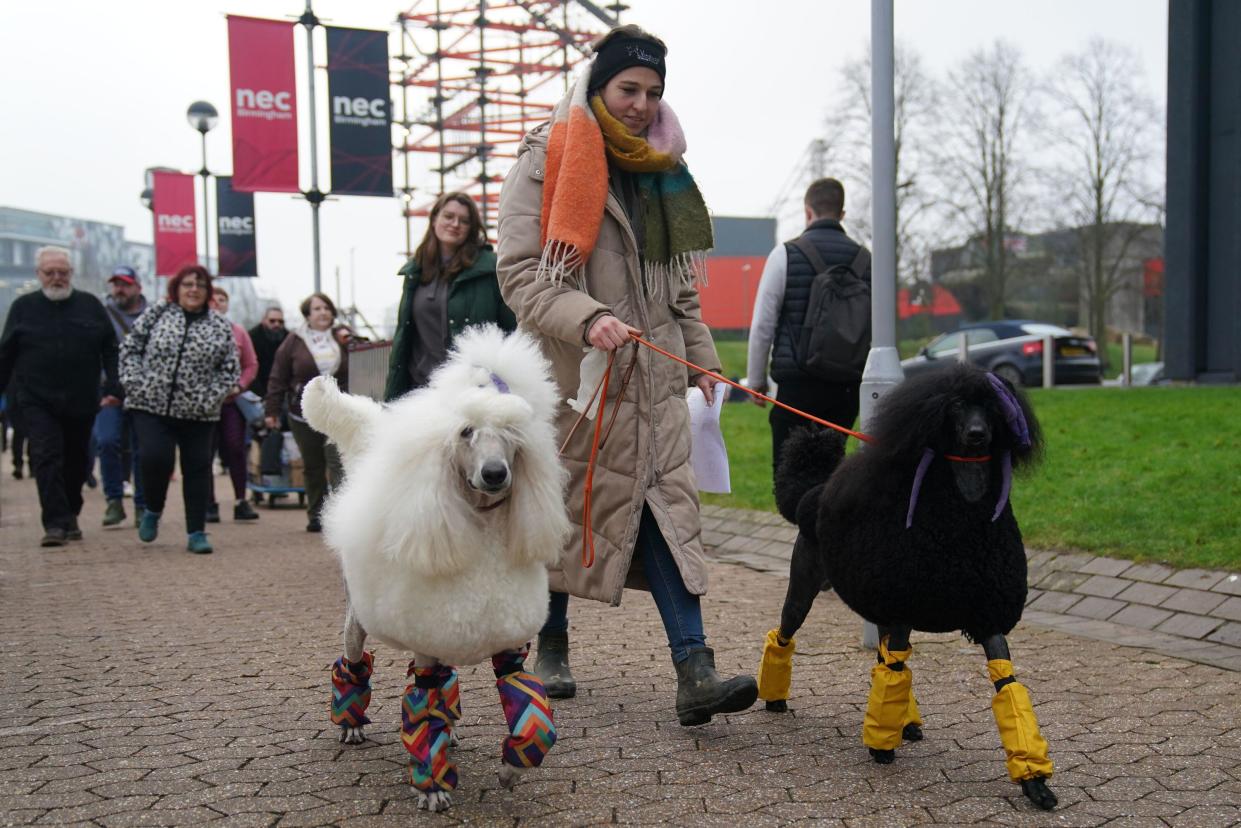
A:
{"points": [[451, 510]]}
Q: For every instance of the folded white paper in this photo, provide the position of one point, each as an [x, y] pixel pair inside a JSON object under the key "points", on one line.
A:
{"points": [[708, 455]]}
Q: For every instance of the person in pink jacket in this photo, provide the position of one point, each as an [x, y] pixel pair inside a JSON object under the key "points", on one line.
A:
{"points": [[231, 434]]}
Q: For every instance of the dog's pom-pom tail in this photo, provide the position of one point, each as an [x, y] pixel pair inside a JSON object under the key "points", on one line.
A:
{"points": [[807, 459], [775, 671]]}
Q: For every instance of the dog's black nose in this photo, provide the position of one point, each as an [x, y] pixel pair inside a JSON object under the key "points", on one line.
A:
{"points": [[976, 435], [495, 474]]}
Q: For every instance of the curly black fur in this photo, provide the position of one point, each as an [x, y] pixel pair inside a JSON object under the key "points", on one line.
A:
{"points": [[954, 568], [807, 460]]}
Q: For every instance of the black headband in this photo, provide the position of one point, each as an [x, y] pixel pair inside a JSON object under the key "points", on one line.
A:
{"points": [[621, 53]]}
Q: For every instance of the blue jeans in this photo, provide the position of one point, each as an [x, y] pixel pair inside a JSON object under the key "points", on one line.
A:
{"points": [[111, 423], [680, 611]]}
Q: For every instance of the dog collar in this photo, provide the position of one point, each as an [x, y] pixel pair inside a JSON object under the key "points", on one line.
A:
{"points": [[1006, 480]]}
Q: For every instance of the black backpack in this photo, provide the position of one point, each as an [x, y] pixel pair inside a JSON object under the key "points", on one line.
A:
{"points": [[834, 339]]}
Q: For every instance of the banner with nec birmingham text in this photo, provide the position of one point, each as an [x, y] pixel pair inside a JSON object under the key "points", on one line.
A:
{"points": [[235, 226], [264, 105], [361, 112], [176, 232]]}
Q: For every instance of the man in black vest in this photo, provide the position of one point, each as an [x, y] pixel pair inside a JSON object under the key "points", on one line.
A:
{"points": [[56, 343], [780, 308]]}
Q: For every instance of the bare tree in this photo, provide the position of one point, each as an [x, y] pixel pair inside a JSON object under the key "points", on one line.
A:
{"points": [[1108, 136], [982, 158], [848, 126]]}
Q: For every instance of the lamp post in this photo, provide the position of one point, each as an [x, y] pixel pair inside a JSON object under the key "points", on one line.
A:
{"points": [[203, 117]]}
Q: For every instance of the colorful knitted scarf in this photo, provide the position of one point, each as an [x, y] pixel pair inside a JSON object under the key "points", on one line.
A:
{"points": [[677, 227]]}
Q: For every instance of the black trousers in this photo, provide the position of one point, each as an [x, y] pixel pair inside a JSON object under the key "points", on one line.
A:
{"points": [[835, 403], [159, 439], [59, 458]]}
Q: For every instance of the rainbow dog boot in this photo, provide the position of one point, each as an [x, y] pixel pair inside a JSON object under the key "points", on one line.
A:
{"points": [[892, 713], [429, 707], [532, 730], [351, 695]]}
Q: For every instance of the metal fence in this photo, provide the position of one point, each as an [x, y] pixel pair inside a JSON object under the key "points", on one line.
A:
{"points": [[368, 368]]}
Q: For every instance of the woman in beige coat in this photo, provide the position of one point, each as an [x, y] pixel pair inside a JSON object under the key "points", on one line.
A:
{"points": [[601, 233]]}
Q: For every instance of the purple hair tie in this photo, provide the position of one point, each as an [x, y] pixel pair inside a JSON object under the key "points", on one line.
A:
{"points": [[923, 465], [500, 384], [1012, 411]]}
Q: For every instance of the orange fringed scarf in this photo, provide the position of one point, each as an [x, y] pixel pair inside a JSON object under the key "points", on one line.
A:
{"points": [[583, 137]]}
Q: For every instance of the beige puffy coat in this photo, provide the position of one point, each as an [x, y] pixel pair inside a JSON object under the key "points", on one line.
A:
{"points": [[646, 458]]}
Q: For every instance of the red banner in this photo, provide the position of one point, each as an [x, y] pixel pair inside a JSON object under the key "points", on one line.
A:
{"points": [[264, 105], [176, 231]]}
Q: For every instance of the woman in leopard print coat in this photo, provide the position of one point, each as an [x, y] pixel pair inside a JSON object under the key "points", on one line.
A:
{"points": [[177, 365]]}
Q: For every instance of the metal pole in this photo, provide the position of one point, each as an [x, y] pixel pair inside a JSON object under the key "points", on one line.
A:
{"points": [[1049, 361], [314, 196], [1126, 356], [963, 350], [206, 208], [883, 365], [406, 201]]}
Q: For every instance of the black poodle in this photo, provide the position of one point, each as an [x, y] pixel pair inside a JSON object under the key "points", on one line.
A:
{"points": [[915, 532]]}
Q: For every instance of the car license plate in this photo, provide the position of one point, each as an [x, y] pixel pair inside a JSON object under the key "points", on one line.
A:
{"points": [[1072, 350]]}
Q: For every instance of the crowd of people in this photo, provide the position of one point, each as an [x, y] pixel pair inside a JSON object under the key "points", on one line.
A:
{"points": [[132, 384], [602, 232]]}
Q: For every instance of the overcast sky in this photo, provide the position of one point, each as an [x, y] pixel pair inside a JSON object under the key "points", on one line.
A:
{"points": [[94, 92]]}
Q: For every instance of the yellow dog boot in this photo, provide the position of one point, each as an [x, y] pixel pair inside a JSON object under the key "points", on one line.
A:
{"points": [[891, 711], [775, 671], [1025, 748]]}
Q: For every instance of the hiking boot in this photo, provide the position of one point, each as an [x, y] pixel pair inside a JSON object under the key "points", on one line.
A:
{"points": [[138, 513], [148, 528], [54, 537], [198, 544], [213, 513], [701, 693], [114, 513], [74, 532], [244, 511], [552, 665], [314, 525]]}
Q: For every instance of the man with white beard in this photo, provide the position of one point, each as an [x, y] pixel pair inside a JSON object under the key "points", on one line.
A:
{"points": [[55, 344]]}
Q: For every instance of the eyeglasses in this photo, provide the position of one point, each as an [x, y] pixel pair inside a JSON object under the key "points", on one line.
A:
{"points": [[56, 271], [188, 285], [464, 221]]}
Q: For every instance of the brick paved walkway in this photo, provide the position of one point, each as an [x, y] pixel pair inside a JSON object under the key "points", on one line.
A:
{"points": [[1188, 613], [147, 686]]}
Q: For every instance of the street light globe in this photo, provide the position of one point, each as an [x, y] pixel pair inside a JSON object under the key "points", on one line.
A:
{"points": [[202, 116]]}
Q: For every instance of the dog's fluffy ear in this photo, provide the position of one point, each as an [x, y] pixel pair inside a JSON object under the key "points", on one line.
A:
{"points": [[538, 525], [347, 420]]}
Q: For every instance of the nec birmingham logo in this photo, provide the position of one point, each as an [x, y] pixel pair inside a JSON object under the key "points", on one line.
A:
{"points": [[175, 223], [264, 104], [236, 226], [359, 111]]}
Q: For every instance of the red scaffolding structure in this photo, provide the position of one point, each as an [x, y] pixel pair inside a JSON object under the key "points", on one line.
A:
{"points": [[476, 77]]}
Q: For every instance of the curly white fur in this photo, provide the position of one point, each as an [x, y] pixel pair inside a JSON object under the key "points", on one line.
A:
{"points": [[426, 569]]}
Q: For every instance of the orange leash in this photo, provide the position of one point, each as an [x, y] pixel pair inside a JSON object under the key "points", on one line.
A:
{"points": [[866, 438], [588, 534]]}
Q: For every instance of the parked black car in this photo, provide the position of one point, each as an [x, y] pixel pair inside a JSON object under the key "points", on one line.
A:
{"points": [[1013, 349]]}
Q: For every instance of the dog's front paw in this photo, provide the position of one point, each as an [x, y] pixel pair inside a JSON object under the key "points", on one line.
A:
{"points": [[453, 738], [509, 775], [351, 735], [882, 757], [1036, 791], [435, 801]]}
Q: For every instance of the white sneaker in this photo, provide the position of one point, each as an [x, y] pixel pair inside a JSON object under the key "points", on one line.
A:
{"points": [[127, 489]]}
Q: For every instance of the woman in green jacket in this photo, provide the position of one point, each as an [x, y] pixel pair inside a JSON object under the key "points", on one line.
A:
{"points": [[450, 284]]}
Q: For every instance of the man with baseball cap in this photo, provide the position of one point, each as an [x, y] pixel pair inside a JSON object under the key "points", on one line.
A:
{"points": [[124, 305]]}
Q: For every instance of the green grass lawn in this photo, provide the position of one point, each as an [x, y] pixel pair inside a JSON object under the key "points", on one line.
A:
{"points": [[1149, 474]]}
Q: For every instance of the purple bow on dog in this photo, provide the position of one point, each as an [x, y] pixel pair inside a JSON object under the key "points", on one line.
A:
{"points": [[500, 384]]}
